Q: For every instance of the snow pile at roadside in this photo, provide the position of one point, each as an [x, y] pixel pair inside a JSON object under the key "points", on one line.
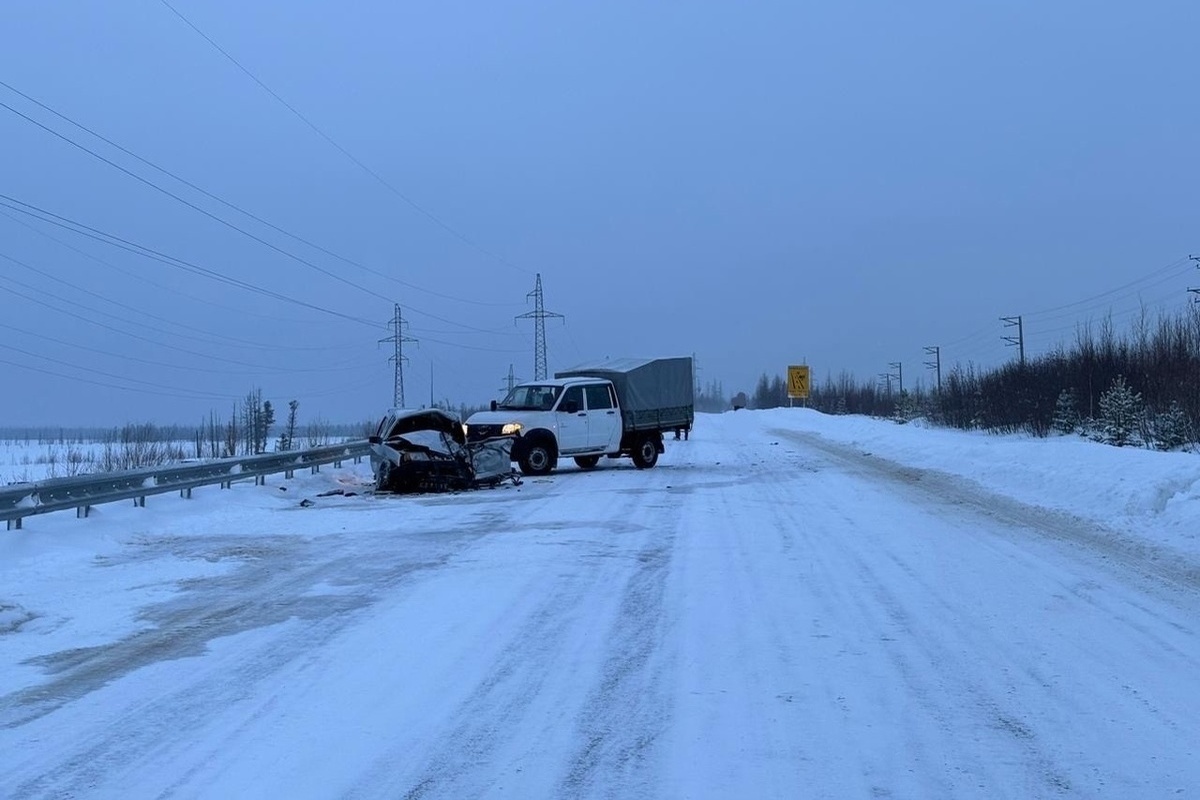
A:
{"points": [[1151, 494]]}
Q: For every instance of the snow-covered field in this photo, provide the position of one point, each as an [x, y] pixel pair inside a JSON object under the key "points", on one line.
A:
{"points": [[22, 460], [789, 605]]}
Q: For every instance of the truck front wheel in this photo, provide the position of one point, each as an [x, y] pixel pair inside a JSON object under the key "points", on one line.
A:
{"points": [[645, 453], [538, 458], [587, 462]]}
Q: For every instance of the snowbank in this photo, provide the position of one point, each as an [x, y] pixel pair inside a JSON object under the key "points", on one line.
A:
{"points": [[1146, 493]]}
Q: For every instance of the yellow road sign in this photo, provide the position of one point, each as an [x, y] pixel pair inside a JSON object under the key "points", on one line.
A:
{"points": [[798, 381]]}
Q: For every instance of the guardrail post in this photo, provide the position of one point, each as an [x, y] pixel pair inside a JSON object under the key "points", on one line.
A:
{"points": [[260, 480], [139, 502], [185, 493], [81, 512], [14, 524], [358, 459], [316, 468], [287, 474]]}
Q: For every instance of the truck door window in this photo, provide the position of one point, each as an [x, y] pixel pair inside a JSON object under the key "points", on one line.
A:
{"points": [[598, 397], [572, 395]]}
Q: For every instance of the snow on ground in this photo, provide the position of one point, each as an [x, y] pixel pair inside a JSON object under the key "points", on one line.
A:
{"points": [[1151, 494], [770, 612]]}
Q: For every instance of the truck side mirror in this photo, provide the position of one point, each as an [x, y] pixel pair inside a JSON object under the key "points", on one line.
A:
{"points": [[493, 405], [570, 407]]}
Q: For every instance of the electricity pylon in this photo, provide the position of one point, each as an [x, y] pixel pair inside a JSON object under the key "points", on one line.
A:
{"points": [[398, 338], [539, 316]]}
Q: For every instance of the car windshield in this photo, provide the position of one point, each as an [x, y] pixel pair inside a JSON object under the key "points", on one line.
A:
{"points": [[538, 398]]}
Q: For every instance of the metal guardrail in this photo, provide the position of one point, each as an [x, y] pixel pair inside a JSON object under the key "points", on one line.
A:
{"points": [[84, 491]]}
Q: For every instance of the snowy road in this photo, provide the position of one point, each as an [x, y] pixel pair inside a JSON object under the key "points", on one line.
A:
{"points": [[766, 614]]}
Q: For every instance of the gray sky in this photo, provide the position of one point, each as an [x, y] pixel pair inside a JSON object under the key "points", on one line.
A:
{"points": [[755, 183]]}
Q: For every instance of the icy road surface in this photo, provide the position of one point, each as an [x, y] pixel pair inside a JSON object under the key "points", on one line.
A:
{"points": [[768, 613]]}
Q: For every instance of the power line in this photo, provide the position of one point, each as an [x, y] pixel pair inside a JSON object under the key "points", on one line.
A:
{"points": [[112, 240], [194, 392], [207, 338], [194, 207], [232, 226], [1118, 289], [190, 395], [157, 342], [378, 178], [187, 367], [219, 199], [175, 290]]}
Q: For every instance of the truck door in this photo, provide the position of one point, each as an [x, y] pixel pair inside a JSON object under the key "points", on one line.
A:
{"points": [[604, 420], [573, 425]]}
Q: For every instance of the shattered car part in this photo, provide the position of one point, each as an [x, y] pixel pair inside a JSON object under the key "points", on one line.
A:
{"points": [[425, 450]]}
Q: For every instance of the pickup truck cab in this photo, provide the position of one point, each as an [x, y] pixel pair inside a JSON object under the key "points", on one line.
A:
{"points": [[575, 417]]}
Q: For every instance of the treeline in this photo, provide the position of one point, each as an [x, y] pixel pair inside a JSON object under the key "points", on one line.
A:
{"points": [[250, 429], [711, 398], [1141, 386]]}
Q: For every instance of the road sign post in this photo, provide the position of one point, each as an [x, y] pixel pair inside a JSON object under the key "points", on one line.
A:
{"points": [[798, 382]]}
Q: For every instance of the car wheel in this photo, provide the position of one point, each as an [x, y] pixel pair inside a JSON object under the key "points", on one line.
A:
{"points": [[645, 453], [538, 459]]}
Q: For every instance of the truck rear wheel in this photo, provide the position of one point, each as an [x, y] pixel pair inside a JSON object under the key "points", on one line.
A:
{"points": [[587, 462], [645, 453], [538, 458]]}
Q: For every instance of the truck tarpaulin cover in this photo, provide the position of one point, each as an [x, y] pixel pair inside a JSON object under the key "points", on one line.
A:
{"points": [[643, 384]]}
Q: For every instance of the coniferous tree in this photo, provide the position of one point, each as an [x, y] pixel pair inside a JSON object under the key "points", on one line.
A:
{"points": [[1120, 411], [1066, 416], [1172, 429]]}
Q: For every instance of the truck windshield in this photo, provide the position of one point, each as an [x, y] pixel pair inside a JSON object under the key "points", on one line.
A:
{"points": [[535, 398]]}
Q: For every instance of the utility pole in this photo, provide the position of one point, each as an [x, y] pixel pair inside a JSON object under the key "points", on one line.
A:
{"points": [[1019, 339], [899, 367], [936, 364], [539, 315], [398, 359], [510, 381], [1190, 289]]}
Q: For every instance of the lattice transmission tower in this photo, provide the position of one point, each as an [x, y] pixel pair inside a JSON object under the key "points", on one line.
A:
{"points": [[539, 315], [510, 381], [398, 359]]}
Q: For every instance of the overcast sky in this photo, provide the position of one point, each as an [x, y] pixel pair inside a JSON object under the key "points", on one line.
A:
{"points": [[756, 183]]}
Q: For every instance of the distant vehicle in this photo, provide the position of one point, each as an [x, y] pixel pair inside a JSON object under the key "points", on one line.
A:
{"points": [[613, 408], [425, 450]]}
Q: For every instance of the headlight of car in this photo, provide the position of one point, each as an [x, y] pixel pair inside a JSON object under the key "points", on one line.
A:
{"points": [[511, 428]]}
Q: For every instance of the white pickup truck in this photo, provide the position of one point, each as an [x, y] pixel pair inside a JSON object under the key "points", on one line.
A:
{"points": [[613, 408]]}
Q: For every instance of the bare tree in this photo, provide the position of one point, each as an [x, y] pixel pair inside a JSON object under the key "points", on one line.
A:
{"points": [[232, 433], [287, 439], [318, 433]]}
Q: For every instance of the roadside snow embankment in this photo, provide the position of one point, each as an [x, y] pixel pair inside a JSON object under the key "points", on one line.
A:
{"points": [[1153, 495]]}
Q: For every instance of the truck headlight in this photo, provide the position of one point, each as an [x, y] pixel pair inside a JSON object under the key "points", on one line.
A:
{"points": [[511, 429]]}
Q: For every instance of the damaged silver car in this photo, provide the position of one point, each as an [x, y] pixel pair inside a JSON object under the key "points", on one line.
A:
{"points": [[425, 450]]}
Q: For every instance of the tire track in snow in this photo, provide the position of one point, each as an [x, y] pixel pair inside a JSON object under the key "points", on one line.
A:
{"points": [[1140, 558], [627, 710], [974, 674], [508, 729], [272, 586]]}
